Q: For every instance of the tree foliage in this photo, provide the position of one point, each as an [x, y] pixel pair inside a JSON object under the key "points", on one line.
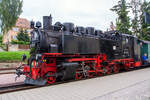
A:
{"points": [[0, 39], [23, 36], [135, 5], [9, 13], [123, 20], [138, 23], [145, 28]]}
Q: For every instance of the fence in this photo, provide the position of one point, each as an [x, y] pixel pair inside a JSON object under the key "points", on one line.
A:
{"points": [[18, 47]]}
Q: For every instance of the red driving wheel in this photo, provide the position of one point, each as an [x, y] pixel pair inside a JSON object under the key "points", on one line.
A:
{"points": [[91, 74], [108, 70], [116, 69], [79, 75], [51, 79], [100, 72]]}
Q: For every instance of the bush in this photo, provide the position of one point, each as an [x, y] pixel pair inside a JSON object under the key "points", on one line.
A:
{"points": [[19, 42], [0, 39], [3, 46], [22, 38]]}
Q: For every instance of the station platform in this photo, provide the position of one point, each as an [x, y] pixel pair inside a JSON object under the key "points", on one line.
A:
{"points": [[122, 86], [6, 79]]}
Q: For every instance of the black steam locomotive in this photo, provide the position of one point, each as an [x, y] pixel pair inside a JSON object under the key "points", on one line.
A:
{"points": [[68, 39], [65, 51]]}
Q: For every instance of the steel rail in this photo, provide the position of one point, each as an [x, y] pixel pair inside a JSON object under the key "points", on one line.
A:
{"points": [[20, 87]]}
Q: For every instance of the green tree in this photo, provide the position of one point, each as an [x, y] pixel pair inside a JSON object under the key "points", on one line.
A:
{"points": [[23, 36], [9, 13], [135, 5], [123, 20], [145, 28], [0, 39]]}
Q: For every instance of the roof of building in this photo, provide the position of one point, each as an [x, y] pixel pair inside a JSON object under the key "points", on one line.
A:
{"points": [[23, 23]]}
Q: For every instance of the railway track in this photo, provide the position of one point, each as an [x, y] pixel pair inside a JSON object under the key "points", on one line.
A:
{"points": [[7, 70], [14, 88], [13, 68], [19, 87]]}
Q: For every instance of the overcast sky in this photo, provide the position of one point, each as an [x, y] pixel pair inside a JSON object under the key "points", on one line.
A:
{"points": [[94, 13]]}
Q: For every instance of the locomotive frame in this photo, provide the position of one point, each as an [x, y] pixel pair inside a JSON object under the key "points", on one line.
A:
{"points": [[62, 53], [49, 71]]}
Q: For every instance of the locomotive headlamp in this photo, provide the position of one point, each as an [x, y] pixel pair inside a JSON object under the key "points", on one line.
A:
{"points": [[38, 24], [32, 24]]}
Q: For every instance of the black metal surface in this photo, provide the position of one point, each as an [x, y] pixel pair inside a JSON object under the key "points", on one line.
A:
{"points": [[38, 24], [80, 30], [90, 30], [114, 46], [47, 22], [32, 24], [38, 82], [68, 39], [69, 27], [69, 71], [81, 45]]}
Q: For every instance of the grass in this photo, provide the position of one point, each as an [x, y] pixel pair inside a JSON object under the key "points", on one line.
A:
{"points": [[12, 56]]}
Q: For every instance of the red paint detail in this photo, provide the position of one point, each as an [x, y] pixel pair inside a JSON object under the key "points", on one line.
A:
{"points": [[108, 69], [137, 64], [51, 79], [35, 73], [52, 54], [33, 63], [81, 59], [79, 75], [91, 73], [42, 68], [116, 68]]}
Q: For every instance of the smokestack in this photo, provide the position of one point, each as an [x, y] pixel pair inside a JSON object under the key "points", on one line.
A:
{"points": [[47, 22]]}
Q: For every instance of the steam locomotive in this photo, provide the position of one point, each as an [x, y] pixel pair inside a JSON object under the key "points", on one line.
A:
{"points": [[63, 52]]}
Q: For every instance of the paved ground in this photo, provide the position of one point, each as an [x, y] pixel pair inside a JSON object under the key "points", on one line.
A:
{"points": [[9, 65], [7, 72], [9, 79], [138, 91], [114, 87]]}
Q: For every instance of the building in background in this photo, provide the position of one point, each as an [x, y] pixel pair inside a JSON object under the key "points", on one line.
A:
{"points": [[21, 24]]}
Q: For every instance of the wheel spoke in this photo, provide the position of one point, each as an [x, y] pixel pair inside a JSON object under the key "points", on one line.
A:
{"points": [[51, 79], [116, 69], [109, 70], [79, 75]]}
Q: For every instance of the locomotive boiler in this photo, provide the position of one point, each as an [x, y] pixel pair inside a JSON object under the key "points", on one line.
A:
{"points": [[64, 51]]}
